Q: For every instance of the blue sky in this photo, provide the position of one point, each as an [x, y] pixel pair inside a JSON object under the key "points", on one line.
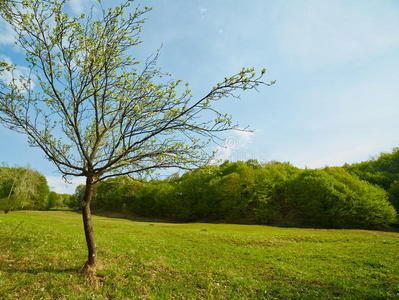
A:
{"points": [[336, 64]]}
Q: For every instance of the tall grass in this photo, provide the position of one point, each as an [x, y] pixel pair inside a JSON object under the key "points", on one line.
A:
{"points": [[41, 254]]}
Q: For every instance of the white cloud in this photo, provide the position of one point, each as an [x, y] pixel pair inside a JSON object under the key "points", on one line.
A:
{"points": [[7, 34], [202, 12], [244, 138], [222, 153], [77, 6], [83, 6], [6, 59], [7, 76], [58, 184], [235, 147]]}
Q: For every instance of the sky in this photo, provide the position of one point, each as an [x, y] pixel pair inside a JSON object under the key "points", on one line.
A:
{"points": [[336, 66]]}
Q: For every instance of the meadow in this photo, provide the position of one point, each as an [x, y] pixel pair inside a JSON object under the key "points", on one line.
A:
{"points": [[41, 254]]}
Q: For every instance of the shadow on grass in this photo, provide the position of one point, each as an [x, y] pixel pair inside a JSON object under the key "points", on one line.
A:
{"points": [[132, 217], [38, 270]]}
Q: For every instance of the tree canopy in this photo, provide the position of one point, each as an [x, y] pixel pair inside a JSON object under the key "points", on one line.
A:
{"points": [[248, 192], [22, 188], [381, 170], [99, 111]]}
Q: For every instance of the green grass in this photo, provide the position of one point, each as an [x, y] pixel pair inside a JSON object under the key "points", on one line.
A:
{"points": [[40, 258]]}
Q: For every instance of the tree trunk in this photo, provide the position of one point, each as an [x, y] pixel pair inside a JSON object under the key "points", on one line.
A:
{"points": [[90, 265]]}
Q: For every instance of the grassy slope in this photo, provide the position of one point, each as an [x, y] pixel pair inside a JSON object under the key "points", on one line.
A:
{"points": [[42, 256]]}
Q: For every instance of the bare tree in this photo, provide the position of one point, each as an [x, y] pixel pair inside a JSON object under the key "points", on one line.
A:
{"points": [[101, 113]]}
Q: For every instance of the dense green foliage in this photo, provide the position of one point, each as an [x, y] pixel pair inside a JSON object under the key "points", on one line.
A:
{"points": [[22, 188], [362, 195], [58, 201], [40, 259], [273, 194], [332, 198], [382, 170]]}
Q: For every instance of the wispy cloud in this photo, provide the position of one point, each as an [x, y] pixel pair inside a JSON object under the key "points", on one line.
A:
{"points": [[7, 34], [237, 147], [202, 12], [77, 6], [19, 71], [83, 6]]}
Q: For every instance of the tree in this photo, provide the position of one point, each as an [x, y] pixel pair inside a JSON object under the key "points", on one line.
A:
{"points": [[100, 112], [22, 188], [52, 200]]}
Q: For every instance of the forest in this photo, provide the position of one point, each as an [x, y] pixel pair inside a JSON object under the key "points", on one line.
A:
{"points": [[362, 195]]}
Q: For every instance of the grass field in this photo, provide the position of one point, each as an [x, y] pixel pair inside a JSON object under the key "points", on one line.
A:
{"points": [[40, 258]]}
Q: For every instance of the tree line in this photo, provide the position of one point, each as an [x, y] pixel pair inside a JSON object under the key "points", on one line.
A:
{"points": [[22, 188], [249, 192], [361, 195]]}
